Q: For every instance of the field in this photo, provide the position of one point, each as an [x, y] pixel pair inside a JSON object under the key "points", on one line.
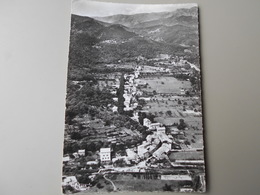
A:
{"points": [[186, 156], [165, 84], [130, 183], [169, 107]]}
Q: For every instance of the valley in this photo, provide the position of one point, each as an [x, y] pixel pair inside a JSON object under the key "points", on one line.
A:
{"points": [[134, 106]]}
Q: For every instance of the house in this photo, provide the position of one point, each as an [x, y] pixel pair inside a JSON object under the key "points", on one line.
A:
{"points": [[115, 99], [137, 73], [66, 159], [69, 180], [150, 138], [128, 108], [145, 98], [186, 190], [114, 92], [182, 92], [92, 163], [175, 131], [161, 129], [81, 152], [115, 108], [72, 181], [164, 138], [147, 122], [76, 155], [105, 154], [161, 152], [115, 86], [154, 126], [135, 117], [142, 149], [131, 155], [164, 56]]}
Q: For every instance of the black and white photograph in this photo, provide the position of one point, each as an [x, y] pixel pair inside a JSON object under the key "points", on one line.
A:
{"points": [[134, 117]]}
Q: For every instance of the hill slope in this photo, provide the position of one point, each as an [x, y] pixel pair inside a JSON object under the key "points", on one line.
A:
{"points": [[93, 41]]}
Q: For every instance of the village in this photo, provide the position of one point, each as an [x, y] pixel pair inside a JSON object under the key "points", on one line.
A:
{"points": [[171, 114]]}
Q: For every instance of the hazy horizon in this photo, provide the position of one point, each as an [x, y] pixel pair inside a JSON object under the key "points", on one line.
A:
{"points": [[101, 9]]}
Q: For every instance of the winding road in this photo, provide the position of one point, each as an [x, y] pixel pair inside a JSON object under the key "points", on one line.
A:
{"points": [[115, 188]]}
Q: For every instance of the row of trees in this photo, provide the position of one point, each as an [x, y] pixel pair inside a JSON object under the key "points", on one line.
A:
{"points": [[121, 99]]}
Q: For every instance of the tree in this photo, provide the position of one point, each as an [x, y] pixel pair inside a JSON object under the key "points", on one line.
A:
{"points": [[99, 186], [182, 125], [92, 147], [84, 179], [186, 142], [75, 136], [70, 148], [141, 102], [107, 122], [167, 187], [169, 113], [120, 163], [151, 117]]}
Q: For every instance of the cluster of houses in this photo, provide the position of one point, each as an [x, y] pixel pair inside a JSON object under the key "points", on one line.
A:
{"points": [[168, 60], [73, 182], [75, 155], [156, 145], [130, 90]]}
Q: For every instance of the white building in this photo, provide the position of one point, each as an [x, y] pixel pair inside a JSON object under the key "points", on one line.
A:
{"points": [[154, 126], [137, 73], [175, 131], [182, 92], [161, 152], [161, 129], [135, 117], [115, 108], [105, 154], [115, 99], [72, 181], [92, 163], [145, 98], [81, 152], [142, 149], [66, 159], [131, 155], [69, 180], [76, 155], [164, 138], [147, 122]]}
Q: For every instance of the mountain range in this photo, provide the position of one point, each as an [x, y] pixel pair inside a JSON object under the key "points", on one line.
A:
{"points": [[118, 37]]}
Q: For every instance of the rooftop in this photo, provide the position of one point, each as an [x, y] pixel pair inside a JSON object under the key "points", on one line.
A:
{"points": [[176, 177], [105, 150]]}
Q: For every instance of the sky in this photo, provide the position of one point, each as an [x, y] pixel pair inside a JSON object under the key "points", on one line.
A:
{"points": [[94, 8]]}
